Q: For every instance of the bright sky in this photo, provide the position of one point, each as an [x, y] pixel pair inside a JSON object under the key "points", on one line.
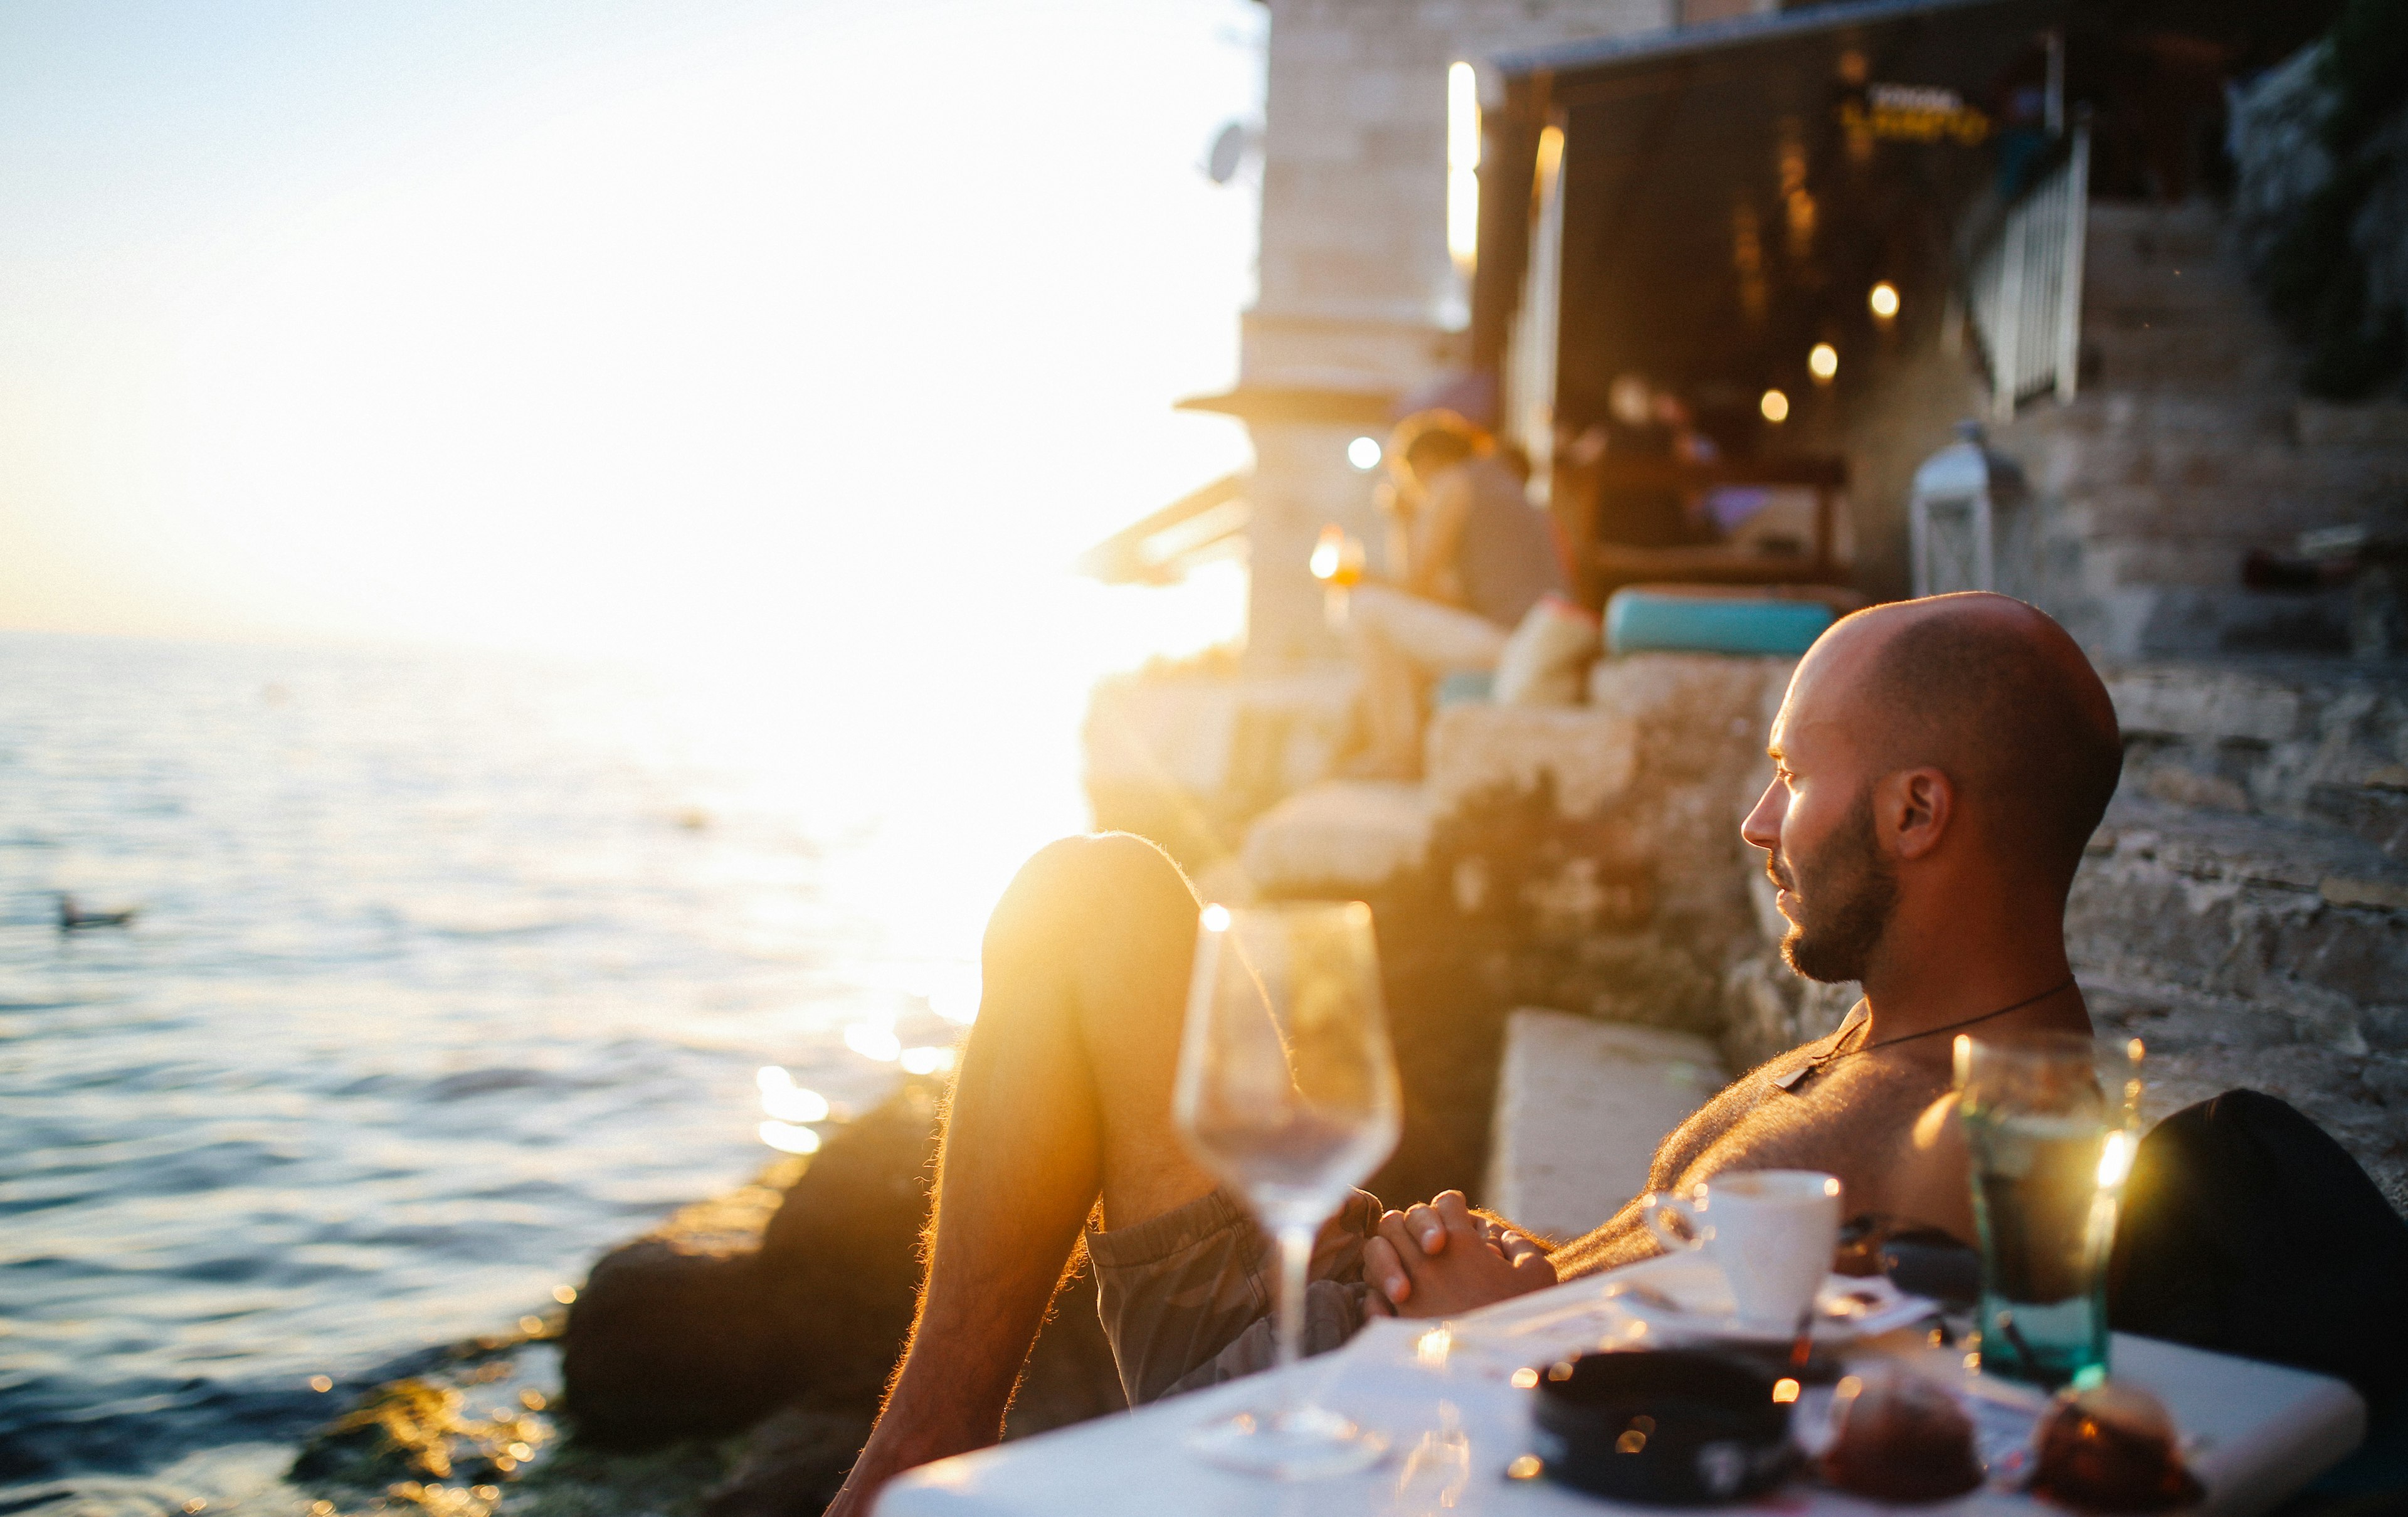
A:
{"points": [[613, 325]]}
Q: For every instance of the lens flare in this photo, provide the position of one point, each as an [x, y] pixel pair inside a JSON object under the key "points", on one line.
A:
{"points": [[1328, 553], [927, 1061], [874, 1040], [2115, 1159], [788, 1137]]}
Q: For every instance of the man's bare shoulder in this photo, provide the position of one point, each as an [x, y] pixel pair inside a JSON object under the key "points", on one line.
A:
{"points": [[1731, 1109], [1853, 1118]]}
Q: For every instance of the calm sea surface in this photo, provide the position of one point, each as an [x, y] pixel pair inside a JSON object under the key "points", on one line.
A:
{"points": [[450, 972]]}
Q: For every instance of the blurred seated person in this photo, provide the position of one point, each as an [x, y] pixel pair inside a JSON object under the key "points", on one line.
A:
{"points": [[1645, 422], [1473, 556]]}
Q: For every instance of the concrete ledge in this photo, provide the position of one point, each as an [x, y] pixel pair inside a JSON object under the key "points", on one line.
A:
{"points": [[1718, 693], [1342, 834], [1592, 755], [1581, 1104], [1203, 735]]}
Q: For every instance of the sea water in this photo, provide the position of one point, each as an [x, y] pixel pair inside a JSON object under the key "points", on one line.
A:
{"points": [[450, 971]]}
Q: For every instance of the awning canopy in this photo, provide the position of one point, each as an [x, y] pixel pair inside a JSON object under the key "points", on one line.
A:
{"points": [[1326, 405], [1730, 193], [1159, 549]]}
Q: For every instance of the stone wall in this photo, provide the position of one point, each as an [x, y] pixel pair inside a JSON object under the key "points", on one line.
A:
{"points": [[2191, 443], [2243, 910]]}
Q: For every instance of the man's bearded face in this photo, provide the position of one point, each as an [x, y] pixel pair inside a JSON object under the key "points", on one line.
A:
{"points": [[1841, 898]]}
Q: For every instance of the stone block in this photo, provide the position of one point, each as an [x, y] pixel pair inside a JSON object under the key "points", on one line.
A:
{"points": [[2378, 813], [1590, 753], [2299, 930], [1350, 834], [1205, 735], [2320, 741], [2202, 700], [1581, 1106]]}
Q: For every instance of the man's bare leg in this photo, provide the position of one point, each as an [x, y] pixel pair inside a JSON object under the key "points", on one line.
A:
{"points": [[1064, 1095]]}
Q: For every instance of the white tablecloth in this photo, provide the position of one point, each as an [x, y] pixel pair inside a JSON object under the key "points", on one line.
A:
{"points": [[2256, 1432]]}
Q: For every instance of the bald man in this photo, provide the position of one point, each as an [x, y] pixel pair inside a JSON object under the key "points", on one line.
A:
{"points": [[1938, 768]]}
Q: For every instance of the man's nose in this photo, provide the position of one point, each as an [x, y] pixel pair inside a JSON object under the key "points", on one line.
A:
{"points": [[1762, 828]]}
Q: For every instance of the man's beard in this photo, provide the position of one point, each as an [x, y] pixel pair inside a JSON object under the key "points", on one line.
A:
{"points": [[1851, 891]]}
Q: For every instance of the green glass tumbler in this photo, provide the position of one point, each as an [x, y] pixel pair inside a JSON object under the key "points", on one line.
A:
{"points": [[2050, 1119]]}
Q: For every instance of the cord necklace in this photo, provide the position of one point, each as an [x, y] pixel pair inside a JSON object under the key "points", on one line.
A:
{"points": [[1823, 1061]]}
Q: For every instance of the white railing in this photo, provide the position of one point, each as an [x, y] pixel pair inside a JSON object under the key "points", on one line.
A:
{"points": [[1530, 347], [2026, 286]]}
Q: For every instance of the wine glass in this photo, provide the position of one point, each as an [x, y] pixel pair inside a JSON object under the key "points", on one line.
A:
{"points": [[1287, 1092]]}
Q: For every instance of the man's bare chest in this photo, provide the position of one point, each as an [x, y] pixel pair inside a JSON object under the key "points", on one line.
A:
{"points": [[1834, 1118]]}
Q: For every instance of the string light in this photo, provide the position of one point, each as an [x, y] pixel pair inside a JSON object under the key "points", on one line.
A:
{"points": [[1884, 300], [1776, 406], [1823, 362]]}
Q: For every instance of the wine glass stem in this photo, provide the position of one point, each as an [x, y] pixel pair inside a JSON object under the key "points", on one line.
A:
{"points": [[1295, 1267]]}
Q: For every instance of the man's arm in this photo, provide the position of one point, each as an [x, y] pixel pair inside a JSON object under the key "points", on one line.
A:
{"points": [[1623, 1239]]}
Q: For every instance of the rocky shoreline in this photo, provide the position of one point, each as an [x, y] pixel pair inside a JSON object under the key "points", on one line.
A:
{"points": [[727, 1364]]}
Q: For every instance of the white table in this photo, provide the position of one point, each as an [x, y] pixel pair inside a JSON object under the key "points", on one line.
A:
{"points": [[2258, 1432]]}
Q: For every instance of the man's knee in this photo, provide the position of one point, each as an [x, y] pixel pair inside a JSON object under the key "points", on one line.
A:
{"points": [[1114, 883]]}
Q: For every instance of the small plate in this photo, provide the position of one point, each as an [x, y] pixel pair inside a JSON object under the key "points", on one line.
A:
{"points": [[1686, 1293]]}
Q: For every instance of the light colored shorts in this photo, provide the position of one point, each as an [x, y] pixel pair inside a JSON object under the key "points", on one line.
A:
{"points": [[1186, 1297], [1441, 639]]}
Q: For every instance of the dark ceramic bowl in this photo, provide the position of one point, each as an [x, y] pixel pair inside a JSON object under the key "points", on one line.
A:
{"points": [[1673, 1428]]}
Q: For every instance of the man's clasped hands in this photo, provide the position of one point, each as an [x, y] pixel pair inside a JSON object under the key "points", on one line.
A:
{"points": [[1443, 1258]]}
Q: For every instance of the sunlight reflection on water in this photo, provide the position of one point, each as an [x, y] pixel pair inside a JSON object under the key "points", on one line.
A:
{"points": [[452, 970]]}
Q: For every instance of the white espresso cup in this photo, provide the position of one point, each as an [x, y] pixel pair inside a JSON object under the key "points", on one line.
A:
{"points": [[1770, 1230]]}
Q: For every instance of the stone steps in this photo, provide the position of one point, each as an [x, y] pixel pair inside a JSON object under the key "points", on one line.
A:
{"points": [[2300, 931], [2249, 950], [2313, 740], [2189, 445]]}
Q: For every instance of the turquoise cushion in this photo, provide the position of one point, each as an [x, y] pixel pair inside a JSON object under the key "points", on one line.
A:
{"points": [[1638, 621], [1465, 687]]}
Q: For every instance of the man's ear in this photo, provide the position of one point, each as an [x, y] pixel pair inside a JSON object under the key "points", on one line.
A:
{"points": [[1915, 807]]}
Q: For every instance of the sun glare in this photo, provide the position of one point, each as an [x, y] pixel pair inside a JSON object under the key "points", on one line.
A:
{"points": [[613, 354]]}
